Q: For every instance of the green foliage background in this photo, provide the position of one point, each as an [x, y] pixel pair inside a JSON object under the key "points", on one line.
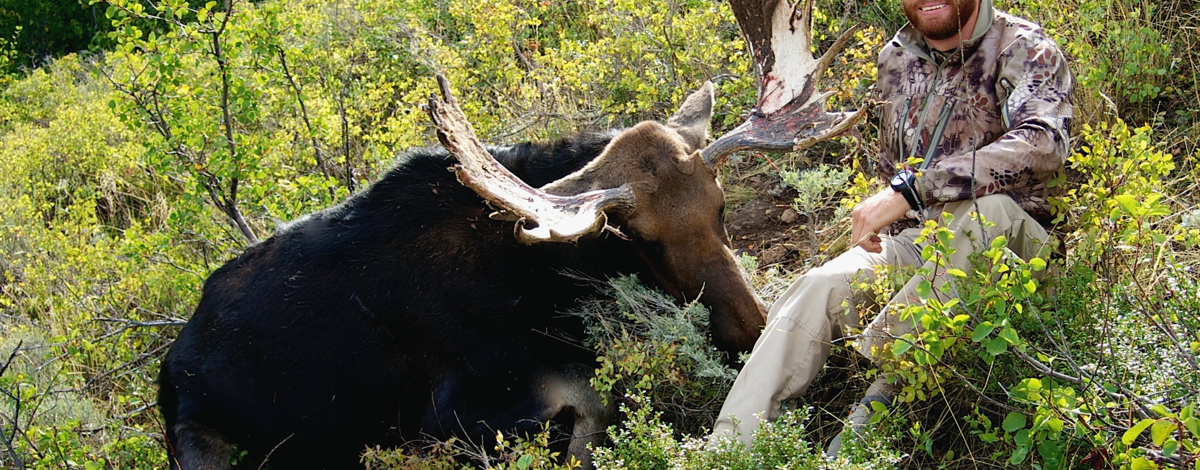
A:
{"points": [[129, 173]]}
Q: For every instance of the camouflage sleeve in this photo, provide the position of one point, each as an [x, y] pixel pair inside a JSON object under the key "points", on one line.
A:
{"points": [[885, 91], [1033, 86]]}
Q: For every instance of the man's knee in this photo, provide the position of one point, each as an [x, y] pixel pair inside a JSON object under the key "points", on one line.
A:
{"points": [[994, 208], [819, 297], [838, 285], [828, 279], [983, 218], [1025, 235]]}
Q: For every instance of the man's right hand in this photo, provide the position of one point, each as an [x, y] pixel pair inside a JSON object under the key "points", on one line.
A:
{"points": [[872, 215]]}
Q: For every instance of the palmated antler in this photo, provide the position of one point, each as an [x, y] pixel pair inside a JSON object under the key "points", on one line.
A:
{"points": [[554, 218], [790, 114]]}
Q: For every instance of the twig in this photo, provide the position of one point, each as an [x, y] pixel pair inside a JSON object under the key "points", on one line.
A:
{"points": [[768, 159], [122, 417], [11, 357], [141, 358], [1044, 369], [145, 324], [268, 457], [167, 261], [287, 73], [9, 440], [229, 205]]}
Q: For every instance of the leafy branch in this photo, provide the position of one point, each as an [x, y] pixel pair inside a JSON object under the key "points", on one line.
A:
{"points": [[151, 82]]}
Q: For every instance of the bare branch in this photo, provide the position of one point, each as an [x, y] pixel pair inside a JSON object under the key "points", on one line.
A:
{"points": [[287, 73], [230, 201]]}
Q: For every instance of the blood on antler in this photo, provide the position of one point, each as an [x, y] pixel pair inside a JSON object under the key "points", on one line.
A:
{"points": [[790, 114], [541, 216]]}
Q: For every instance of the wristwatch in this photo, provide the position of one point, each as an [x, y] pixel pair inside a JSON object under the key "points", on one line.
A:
{"points": [[905, 183]]}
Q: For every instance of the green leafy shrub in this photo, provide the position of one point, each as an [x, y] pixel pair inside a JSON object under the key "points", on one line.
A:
{"points": [[509, 453], [645, 442], [649, 344], [815, 190], [1044, 376], [656, 353]]}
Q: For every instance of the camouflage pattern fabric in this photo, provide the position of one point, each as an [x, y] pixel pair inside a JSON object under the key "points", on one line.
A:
{"points": [[990, 117]]}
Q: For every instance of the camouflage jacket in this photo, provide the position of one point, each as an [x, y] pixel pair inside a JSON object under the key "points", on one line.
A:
{"points": [[995, 122]]}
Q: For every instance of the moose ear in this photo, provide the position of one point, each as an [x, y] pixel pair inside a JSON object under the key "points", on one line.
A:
{"points": [[692, 119], [688, 164]]}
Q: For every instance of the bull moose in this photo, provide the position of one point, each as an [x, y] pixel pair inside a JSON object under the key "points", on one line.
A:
{"points": [[409, 311]]}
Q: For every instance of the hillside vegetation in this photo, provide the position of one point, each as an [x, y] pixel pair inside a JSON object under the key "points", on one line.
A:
{"points": [[129, 173]]}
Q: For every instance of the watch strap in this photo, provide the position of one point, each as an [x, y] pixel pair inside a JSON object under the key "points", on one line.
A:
{"points": [[905, 184]]}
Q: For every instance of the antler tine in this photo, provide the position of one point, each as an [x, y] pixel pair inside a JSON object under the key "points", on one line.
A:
{"points": [[790, 114], [556, 218], [834, 50]]}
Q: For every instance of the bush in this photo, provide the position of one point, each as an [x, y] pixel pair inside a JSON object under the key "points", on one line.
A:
{"points": [[1048, 375], [644, 442], [650, 345]]}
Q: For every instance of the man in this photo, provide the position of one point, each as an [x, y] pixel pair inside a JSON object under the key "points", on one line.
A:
{"points": [[981, 98]]}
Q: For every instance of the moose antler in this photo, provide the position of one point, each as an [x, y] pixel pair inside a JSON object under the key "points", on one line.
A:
{"points": [[790, 114], [555, 218]]}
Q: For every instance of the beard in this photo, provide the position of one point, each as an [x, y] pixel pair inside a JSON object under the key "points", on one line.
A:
{"points": [[947, 25]]}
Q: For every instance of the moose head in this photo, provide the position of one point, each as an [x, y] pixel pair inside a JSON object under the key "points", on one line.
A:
{"points": [[656, 184]]}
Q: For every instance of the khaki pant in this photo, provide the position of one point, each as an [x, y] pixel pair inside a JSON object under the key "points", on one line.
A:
{"points": [[819, 307]]}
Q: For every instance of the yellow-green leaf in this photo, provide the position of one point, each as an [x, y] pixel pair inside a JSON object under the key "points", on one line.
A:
{"points": [[1161, 430], [982, 331], [924, 288], [1128, 203], [1193, 425], [1133, 433], [1009, 334], [997, 346], [1013, 421], [1037, 264]]}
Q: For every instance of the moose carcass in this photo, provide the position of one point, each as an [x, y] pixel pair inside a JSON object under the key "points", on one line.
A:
{"points": [[408, 312]]}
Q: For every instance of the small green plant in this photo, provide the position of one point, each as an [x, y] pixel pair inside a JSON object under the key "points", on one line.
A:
{"points": [[508, 453], [648, 343], [1130, 54], [816, 187], [815, 192], [981, 320], [645, 442]]}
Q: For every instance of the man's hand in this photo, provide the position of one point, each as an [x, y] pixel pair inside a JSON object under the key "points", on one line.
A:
{"points": [[872, 215]]}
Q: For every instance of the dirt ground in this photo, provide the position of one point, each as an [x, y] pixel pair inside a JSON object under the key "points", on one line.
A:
{"points": [[766, 226], [763, 223]]}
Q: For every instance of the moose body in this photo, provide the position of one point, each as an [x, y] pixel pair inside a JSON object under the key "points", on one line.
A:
{"points": [[407, 312]]}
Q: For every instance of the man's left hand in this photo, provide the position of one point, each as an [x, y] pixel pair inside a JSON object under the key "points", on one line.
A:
{"points": [[872, 215]]}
